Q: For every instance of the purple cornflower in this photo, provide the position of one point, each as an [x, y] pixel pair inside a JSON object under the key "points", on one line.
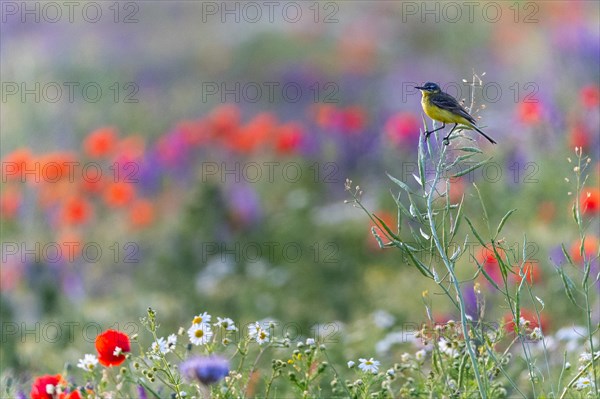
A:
{"points": [[207, 370], [141, 392]]}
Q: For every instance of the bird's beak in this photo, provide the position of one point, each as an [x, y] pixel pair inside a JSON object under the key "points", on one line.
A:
{"points": [[420, 88]]}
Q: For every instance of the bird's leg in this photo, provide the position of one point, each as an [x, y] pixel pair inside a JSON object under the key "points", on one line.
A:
{"points": [[428, 133], [447, 138]]}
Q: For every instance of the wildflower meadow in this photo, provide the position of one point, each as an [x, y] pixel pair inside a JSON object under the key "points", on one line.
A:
{"points": [[243, 199]]}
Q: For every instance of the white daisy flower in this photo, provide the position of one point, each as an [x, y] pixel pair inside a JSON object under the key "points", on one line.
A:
{"points": [[369, 365], [536, 334], [200, 334], [584, 383], [447, 348], [226, 323], [159, 346], [420, 355], [172, 341], [202, 318], [351, 364], [585, 357], [88, 363], [118, 351], [256, 332]]}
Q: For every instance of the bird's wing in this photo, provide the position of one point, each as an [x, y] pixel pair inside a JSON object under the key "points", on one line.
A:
{"points": [[446, 101]]}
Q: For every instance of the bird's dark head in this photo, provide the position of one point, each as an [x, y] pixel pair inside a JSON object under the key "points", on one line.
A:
{"points": [[429, 87]]}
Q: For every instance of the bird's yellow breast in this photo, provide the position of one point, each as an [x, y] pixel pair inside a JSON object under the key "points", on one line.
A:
{"points": [[439, 114]]}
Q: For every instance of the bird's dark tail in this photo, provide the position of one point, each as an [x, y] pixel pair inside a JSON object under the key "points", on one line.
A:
{"points": [[491, 140]]}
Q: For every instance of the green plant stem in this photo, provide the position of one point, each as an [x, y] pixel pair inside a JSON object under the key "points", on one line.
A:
{"points": [[589, 326], [586, 261], [254, 365], [578, 375], [450, 269]]}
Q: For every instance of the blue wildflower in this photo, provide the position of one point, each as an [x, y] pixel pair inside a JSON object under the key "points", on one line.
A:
{"points": [[207, 370]]}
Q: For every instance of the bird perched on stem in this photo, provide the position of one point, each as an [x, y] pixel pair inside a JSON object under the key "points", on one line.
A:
{"points": [[444, 108]]}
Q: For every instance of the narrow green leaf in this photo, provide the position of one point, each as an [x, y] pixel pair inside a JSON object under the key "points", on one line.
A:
{"points": [[400, 183], [458, 160], [457, 220], [485, 213], [472, 168], [417, 179], [416, 210], [385, 226], [455, 255], [421, 162], [586, 272], [462, 369], [399, 217], [503, 221], [568, 284], [377, 238], [401, 207], [475, 232], [487, 276], [471, 149], [504, 268], [566, 253], [419, 265]]}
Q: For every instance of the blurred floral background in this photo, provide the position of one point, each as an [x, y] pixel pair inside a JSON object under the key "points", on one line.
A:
{"points": [[208, 171]]}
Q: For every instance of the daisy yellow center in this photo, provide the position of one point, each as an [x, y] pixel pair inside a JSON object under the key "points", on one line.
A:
{"points": [[368, 362], [262, 335], [199, 333], [197, 320]]}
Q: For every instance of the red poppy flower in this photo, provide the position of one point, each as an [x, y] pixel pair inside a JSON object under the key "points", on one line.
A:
{"points": [[119, 194], [10, 201], [324, 115], [579, 136], [353, 119], [194, 132], [15, 163], [76, 210], [402, 127], [590, 96], [72, 395], [56, 166], [253, 134], [224, 120], [530, 113], [527, 315], [141, 213], [44, 387], [589, 201], [289, 138], [112, 346], [487, 258], [100, 142]]}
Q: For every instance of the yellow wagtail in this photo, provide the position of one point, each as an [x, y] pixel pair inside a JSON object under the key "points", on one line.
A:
{"points": [[444, 108]]}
